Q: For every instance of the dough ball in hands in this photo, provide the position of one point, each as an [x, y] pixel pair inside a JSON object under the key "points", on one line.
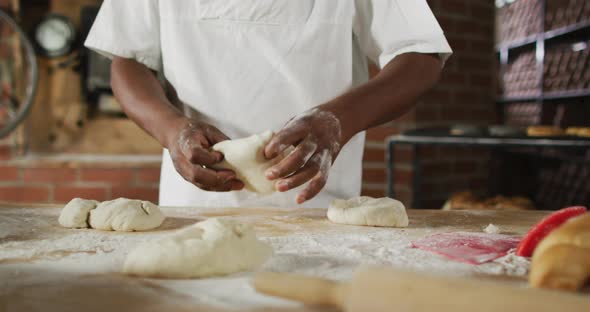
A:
{"points": [[246, 158], [369, 211], [208, 248], [75, 213], [126, 215]]}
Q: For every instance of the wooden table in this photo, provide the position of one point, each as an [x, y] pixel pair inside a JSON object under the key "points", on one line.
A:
{"points": [[44, 267]]}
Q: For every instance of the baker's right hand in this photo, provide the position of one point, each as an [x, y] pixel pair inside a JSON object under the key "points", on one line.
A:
{"points": [[189, 147]]}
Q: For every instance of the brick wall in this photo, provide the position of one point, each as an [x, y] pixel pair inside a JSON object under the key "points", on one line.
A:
{"points": [[465, 94], [31, 180]]}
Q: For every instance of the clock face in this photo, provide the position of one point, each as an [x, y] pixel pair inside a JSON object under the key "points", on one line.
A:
{"points": [[55, 35]]}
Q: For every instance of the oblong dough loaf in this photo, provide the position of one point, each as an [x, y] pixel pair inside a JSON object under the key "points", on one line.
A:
{"points": [[369, 211], [126, 215], [75, 213], [208, 248]]}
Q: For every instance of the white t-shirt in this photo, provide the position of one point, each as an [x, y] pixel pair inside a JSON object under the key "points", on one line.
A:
{"points": [[251, 65]]}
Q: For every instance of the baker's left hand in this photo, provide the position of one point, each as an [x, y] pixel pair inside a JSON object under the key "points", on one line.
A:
{"points": [[317, 138]]}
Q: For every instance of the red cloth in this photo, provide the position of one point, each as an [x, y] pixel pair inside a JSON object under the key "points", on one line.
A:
{"points": [[468, 247]]}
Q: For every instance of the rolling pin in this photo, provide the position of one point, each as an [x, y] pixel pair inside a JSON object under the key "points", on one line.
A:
{"points": [[385, 289]]}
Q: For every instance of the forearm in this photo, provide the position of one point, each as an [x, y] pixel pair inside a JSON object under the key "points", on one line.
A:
{"points": [[386, 97], [143, 99]]}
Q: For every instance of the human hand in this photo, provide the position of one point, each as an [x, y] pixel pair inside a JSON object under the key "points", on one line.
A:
{"points": [[316, 135], [189, 145]]}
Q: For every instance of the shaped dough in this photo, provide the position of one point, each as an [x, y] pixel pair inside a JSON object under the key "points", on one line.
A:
{"points": [[208, 248], [75, 213], [127, 215], [245, 157], [364, 210]]}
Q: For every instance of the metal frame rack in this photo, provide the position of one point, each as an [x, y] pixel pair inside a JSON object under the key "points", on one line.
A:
{"points": [[540, 40], [441, 136]]}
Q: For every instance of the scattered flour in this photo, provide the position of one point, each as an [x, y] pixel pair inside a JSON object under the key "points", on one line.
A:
{"points": [[492, 229], [511, 265], [33, 242]]}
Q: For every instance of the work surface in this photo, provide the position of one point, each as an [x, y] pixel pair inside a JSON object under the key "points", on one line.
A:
{"points": [[44, 267]]}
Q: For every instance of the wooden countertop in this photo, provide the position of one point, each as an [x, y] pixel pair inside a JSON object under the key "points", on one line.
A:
{"points": [[44, 267]]}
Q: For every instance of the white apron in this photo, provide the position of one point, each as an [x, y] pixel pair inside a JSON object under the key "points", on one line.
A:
{"points": [[250, 65]]}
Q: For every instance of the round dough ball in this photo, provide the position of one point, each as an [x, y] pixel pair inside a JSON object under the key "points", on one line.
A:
{"points": [[126, 215], [208, 248], [75, 213], [245, 157], [364, 210]]}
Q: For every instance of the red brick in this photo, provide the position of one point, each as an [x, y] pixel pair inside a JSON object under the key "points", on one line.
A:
{"points": [[481, 80], [8, 173], [459, 43], [447, 23], [454, 114], [403, 155], [480, 12], [482, 31], [450, 77], [471, 63], [436, 96], [110, 175], [24, 194], [402, 176], [373, 192], [64, 194], [374, 155], [429, 112], [5, 152], [486, 47], [54, 175], [374, 175], [143, 193], [148, 175], [404, 196], [455, 7], [381, 133]]}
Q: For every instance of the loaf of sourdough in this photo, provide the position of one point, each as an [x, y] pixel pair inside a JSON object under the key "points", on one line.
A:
{"points": [[562, 259]]}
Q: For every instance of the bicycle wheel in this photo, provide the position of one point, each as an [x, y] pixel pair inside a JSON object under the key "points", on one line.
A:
{"points": [[18, 74]]}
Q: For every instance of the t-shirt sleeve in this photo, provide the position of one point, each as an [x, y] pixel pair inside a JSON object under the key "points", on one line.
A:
{"points": [[129, 29], [387, 28]]}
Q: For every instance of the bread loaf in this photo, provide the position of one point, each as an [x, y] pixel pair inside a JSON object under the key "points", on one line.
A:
{"points": [[562, 259]]}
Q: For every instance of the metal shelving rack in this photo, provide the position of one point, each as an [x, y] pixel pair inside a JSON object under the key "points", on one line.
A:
{"points": [[539, 40], [438, 136]]}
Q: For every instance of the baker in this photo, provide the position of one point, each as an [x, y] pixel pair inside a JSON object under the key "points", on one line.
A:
{"points": [[240, 67]]}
